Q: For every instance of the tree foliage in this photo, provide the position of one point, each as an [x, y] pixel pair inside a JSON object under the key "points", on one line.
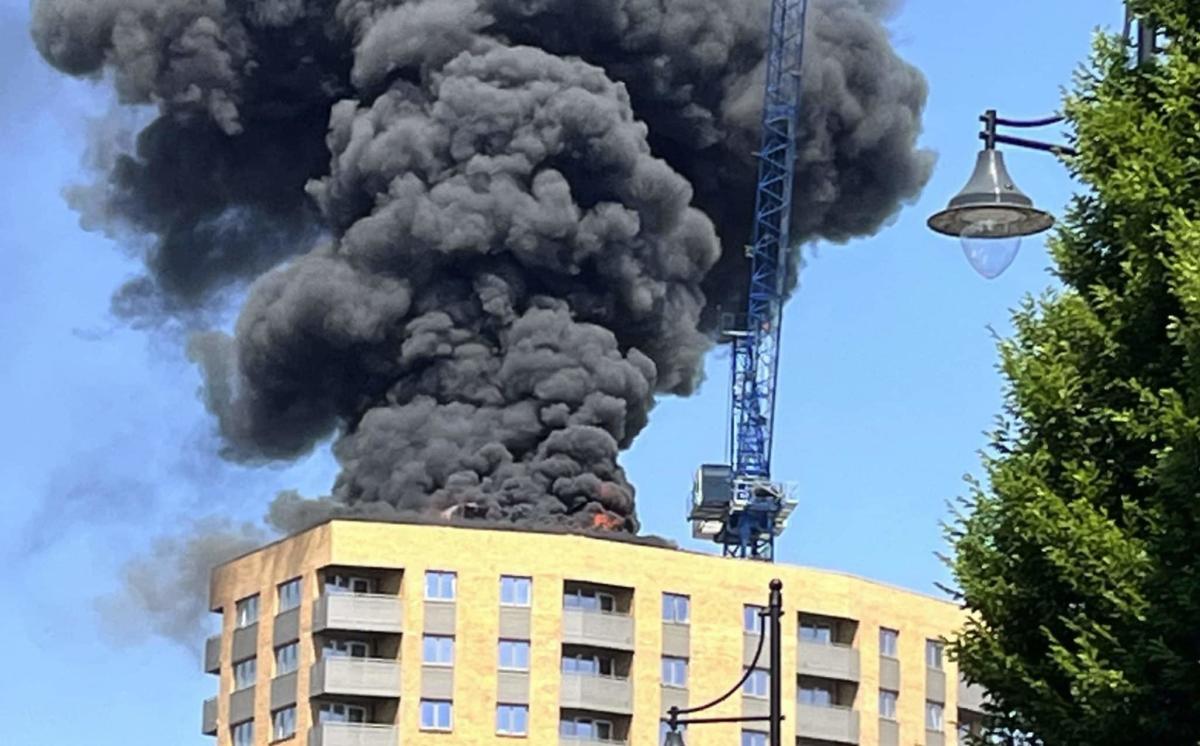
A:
{"points": [[1078, 558]]}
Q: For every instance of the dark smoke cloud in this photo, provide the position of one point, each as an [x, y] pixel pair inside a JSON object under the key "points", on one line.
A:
{"points": [[531, 211], [166, 591]]}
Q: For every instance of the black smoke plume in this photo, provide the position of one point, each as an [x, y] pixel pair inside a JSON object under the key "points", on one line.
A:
{"points": [[510, 223]]}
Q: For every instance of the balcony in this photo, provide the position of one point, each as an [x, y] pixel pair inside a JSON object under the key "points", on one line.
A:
{"points": [[355, 677], [829, 661], [358, 612], [212, 654], [970, 696], [597, 694], [208, 724], [353, 734], [577, 740], [597, 629], [833, 724]]}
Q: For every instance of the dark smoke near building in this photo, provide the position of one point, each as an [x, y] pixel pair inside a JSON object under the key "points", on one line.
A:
{"points": [[507, 224]]}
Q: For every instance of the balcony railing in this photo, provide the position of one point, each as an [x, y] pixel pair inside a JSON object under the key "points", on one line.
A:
{"points": [[358, 612], [597, 693], [212, 654], [355, 677], [827, 723], [598, 629], [208, 723], [828, 660], [353, 734]]}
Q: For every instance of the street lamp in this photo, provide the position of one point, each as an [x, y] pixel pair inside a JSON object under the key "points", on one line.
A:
{"points": [[771, 615], [991, 215]]}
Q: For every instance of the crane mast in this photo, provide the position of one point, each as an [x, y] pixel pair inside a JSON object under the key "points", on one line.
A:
{"points": [[737, 505]]}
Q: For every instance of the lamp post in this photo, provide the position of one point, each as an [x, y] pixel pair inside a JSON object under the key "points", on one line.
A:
{"points": [[991, 215], [769, 627]]}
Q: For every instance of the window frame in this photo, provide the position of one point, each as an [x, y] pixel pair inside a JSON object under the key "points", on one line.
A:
{"points": [[276, 735], [337, 648], [894, 636], [752, 620], [892, 696], [935, 655], [330, 708], [440, 647], [816, 627], [241, 620], [441, 576], [242, 734], [599, 596], [516, 582], [295, 658], [674, 663], [511, 709], [239, 667], [514, 644], [754, 738], [750, 688], [931, 708], [437, 705], [673, 601], [343, 583], [284, 588], [827, 690]]}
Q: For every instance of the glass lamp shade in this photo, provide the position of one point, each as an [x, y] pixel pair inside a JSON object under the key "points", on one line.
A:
{"points": [[673, 738], [990, 257]]}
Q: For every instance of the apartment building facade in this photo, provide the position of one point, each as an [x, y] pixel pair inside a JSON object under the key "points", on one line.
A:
{"points": [[378, 634]]}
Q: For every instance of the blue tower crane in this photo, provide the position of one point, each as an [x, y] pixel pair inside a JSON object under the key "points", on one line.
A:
{"points": [[736, 504]]}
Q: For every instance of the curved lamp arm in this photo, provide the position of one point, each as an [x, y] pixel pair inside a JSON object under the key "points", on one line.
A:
{"points": [[989, 135]]}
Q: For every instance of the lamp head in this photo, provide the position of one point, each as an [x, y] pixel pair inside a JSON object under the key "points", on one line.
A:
{"points": [[673, 738], [991, 216]]}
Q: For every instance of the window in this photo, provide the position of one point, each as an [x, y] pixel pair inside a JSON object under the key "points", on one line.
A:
{"points": [[286, 658], [887, 704], [339, 583], [586, 729], [933, 716], [512, 720], [674, 671], [676, 609], [283, 723], [889, 643], [589, 600], [751, 618], [757, 683], [243, 734], [336, 712], [815, 694], [437, 650], [289, 595], [515, 591], [933, 654], [244, 673], [664, 728], [346, 649], [514, 655], [587, 665], [247, 611], [439, 586], [754, 738], [436, 714], [817, 633]]}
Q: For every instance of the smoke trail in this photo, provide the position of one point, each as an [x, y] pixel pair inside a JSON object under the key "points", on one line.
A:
{"points": [[531, 211]]}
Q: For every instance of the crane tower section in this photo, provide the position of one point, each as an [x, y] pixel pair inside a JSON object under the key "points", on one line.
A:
{"points": [[738, 505]]}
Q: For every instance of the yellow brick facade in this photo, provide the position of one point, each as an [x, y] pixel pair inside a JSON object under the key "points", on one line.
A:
{"points": [[718, 587]]}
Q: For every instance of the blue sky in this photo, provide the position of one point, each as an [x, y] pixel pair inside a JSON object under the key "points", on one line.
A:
{"points": [[887, 386]]}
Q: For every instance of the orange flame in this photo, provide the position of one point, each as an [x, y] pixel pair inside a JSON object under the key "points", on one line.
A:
{"points": [[606, 522]]}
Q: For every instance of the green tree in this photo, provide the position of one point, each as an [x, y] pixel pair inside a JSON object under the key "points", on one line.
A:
{"points": [[1079, 556]]}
